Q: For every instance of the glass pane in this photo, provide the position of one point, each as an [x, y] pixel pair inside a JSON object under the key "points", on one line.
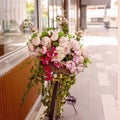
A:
{"points": [[72, 15], [30, 6], [51, 15], [13, 14], [45, 13]]}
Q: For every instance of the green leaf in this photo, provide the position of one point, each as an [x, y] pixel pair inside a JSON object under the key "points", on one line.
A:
{"points": [[60, 34], [44, 33], [87, 61], [34, 35], [70, 36], [55, 44]]}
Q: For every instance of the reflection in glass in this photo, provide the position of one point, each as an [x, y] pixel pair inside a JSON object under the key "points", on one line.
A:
{"points": [[44, 13], [30, 6], [12, 14]]}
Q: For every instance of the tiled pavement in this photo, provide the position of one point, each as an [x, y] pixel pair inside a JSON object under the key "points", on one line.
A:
{"points": [[96, 87]]}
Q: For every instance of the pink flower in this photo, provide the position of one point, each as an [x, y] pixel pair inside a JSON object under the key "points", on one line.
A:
{"points": [[76, 60], [70, 65], [36, 41], [75, 44], [80, 68], [44, 50], [45, 60], [57, 64], [77, 52], [48, 72], [81, 59]]}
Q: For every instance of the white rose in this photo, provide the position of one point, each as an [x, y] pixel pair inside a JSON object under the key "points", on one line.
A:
{"points": [[36, 41], [46, 41]]}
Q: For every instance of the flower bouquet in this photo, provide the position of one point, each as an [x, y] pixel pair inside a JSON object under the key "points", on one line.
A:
{"points": [[59, 57]]}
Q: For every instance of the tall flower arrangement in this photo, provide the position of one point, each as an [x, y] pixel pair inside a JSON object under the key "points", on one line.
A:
{"points": [[59, 56]]}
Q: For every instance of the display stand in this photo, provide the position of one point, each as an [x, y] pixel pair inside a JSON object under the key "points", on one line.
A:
{"points": [[70, 100], [51, 114]]}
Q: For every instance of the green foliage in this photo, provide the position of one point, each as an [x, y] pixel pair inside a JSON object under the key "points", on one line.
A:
{"points": [[64, 84], [87, 61], [44, 34], [34, 35], [36, 78], [56, 43], [30, 7], [60, 34], [68, 57]]}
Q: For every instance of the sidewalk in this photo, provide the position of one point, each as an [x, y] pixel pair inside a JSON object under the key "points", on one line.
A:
{"points": [[96, 87]]}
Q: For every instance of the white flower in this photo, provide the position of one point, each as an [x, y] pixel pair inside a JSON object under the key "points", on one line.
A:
{"points": [[46, 41], [63, 41], [50, 32], [36, 41], [54, 36], [30, 47], [61, 54]]}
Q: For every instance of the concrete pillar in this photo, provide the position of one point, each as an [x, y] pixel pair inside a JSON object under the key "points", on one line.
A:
{"points": [[66, 8], [83, 17]]}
